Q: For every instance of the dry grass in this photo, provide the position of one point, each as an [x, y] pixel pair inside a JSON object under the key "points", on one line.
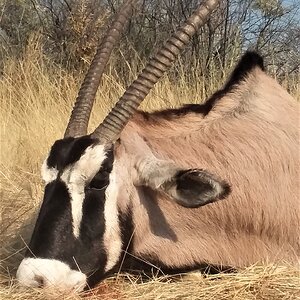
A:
{"points": [[35, 103], [256, 282]]}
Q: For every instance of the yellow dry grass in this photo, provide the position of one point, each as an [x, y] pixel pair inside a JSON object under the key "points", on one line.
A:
{"points": [[35, 103]]}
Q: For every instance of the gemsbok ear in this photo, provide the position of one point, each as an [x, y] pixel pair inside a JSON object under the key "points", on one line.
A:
{"points": [[193, 188], [189, 187]]}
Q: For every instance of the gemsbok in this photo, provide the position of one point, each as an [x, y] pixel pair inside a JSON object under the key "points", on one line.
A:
{"points": [[214, 184]]}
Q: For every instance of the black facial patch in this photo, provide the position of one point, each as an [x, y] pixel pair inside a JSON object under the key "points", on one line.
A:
{"points": [[90, 254], [127, 230], [101, 179], [93, 222], [67, 151], [52, 234]]}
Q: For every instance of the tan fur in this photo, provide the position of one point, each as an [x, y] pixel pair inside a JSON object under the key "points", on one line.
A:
{"points": [[250, 139]]}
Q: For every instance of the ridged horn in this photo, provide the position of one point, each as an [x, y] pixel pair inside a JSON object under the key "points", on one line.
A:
{"points": [[80, 116], [109, 130]]}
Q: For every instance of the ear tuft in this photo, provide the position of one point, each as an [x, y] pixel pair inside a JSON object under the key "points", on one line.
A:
{"points": [[195, 187]]}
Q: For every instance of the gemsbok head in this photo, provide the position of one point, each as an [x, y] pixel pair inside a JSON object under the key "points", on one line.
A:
{"points": [[142, 190]]}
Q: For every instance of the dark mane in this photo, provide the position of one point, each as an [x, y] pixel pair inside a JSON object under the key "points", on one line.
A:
{"points": [[172, 113], [248, 62], [245, 66]]}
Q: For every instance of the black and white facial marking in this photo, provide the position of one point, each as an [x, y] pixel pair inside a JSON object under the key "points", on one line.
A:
{"points": [[76, 224], [79, 235]]}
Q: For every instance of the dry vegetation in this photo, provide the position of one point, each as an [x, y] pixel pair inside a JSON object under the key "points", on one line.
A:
{"points": [[35, 102]]}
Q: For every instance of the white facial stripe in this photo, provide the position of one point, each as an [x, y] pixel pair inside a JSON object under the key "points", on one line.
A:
{"points": [[34, 272], [48, 174], [112, 235], [77, 176]]}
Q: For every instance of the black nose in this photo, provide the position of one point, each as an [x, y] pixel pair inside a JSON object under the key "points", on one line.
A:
{"points": [[40, 281]]}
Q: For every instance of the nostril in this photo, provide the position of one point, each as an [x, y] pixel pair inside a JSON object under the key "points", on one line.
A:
{"points": [[40, 280]]}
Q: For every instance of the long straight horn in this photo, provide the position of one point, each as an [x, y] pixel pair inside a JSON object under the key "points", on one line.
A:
{"points": [[80, 116], [111, 127]]}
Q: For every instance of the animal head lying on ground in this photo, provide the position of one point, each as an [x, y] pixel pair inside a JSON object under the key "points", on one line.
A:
{"points": [[210, 184]]}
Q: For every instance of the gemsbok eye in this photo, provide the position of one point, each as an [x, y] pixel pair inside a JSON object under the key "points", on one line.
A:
{"points": [[100, 181]]}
